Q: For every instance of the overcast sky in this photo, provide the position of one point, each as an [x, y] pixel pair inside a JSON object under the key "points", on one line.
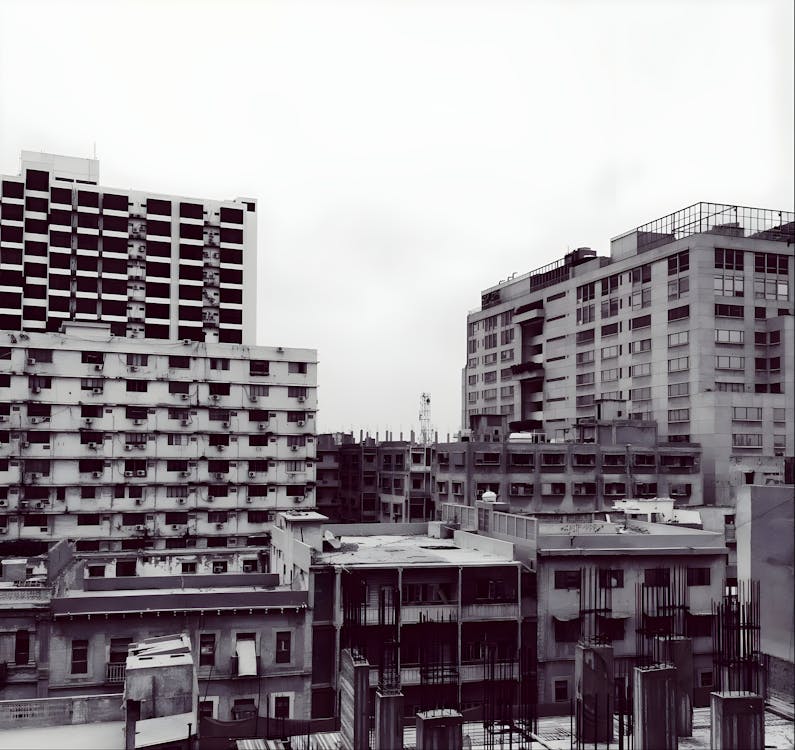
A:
{"points": [[408, 154]]}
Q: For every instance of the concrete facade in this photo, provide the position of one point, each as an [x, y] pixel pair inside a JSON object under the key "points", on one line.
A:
{"points": [[125, 445], [688, 322], [150, 265]]}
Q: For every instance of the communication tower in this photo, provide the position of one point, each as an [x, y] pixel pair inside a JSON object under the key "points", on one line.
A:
{"points": [[426, 431]]}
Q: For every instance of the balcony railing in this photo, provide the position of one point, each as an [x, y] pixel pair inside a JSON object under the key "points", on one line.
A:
{"points": [[413, 613], [493, 611], [114, 673], [23, 594]]}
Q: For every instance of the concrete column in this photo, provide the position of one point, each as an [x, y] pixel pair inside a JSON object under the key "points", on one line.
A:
{"points": [[654, 708], [388, 721], [354, 681], [737, 721], [440, 729], [593, 679], [678, 650]]}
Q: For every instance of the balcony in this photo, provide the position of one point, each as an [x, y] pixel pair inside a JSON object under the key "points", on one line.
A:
{"points": [[24, 596], [491, 611], [114, 673], [478, 672], [418, 613]]}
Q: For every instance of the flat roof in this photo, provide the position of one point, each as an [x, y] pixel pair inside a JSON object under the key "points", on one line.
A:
{"points": [[393, 550]]}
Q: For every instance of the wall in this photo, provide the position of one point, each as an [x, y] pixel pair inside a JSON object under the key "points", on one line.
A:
{"points": [[49, 712]]}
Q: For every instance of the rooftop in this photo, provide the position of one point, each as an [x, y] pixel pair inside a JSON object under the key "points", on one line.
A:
{"points": [[393, 550]]}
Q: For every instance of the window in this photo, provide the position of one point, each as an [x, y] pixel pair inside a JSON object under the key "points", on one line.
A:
{"points": [[679, 263], [22, 647], [724, 336], [584, 358], [490, 341], [283, 645], [747, 413], [561, 690], [244, 708], [678, 313], [611, 578], [221, 363], [587, 400], [678, 389], [726, 362], [490, 359], [747, 440], [730, 387], [79, 657], [678, 287], [490, 377], [771, 263], [728, 285], [657, 577], [585, 337], [638, 347], [771, 288], [640, 299], [137, 386], [698, 576], [296, 368], [610, 352], [729, 311], [678, 364], [640, 394], [678, 415], [610, 284], [207, 650], [731, 260], [611, 329], [586, 292], [611, 374], [779, 415], [585, 378], [137, 360], [642, 321], [506, 336], [641, 274], [567, 631], [637, 371], [585, 314], [567, 579], [281, 707]]}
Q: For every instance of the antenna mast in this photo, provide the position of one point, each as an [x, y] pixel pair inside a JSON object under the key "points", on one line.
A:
{"points": [[426, 432]]}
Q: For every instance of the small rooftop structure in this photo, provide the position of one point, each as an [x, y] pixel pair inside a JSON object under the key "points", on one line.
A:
{"points": [[658, 510]]}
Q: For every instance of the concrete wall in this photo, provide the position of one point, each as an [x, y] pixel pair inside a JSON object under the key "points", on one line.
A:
{"points": [[49, 712], [766, 552]]}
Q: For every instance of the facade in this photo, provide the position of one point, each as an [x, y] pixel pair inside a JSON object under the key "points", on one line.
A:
{"points": [[603, 462], [589, 578], [327, 472], [358, 488], [124, 445], [150, 265], [250, 637], [404, 482], [688, 323], [446, 603]]}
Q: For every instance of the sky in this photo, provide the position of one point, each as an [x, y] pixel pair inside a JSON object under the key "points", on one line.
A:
{"points": [[407, 154]]}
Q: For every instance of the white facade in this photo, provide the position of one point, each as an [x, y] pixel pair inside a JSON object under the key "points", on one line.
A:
{"points": [[152, 266], [122, 445], [689, 323]]}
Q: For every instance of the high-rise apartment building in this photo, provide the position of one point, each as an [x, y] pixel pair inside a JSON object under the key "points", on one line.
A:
{"points": [[688, 323], [135, 411], [150, 265]]}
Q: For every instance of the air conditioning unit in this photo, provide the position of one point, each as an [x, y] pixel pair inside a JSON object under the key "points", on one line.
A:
{"points": [[31, 361], [214, 397], [89, 422], [185, 422], [128, 473], [140, 528], [184, 473], [221, 447], [297, 500], [218, 475], [225, 425], [139, 501], [301, 399], [25, 444], [174, 527], [97, 474], [40, 504], [300, 423], [3, 503], [254, 399], [248, 499], [184, 396], [96, 390], [293, 447], [98, 368], [252, 475], [138, 421], [36, 389], [140, 473], [3, 529], [261, 427], [186, 342], [140, 446], [128, 446], [3, 418], [181, 500], [34, 420], [219, 526], [133, 368]]}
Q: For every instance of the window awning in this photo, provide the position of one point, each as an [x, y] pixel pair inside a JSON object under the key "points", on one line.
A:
{"points": [[615, 615], [566, 618], [700, 613], [246, 658]]}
